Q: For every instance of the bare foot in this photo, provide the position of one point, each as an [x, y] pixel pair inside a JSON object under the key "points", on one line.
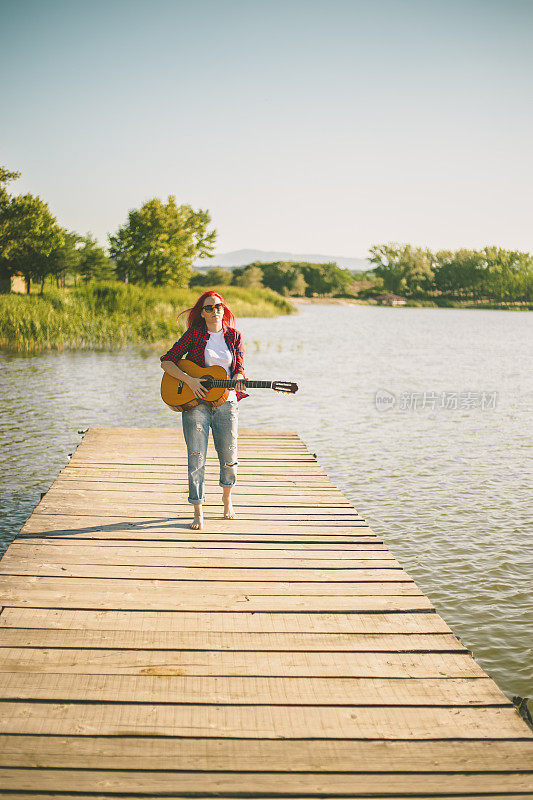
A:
{"points": [[198, 522], [229, 511]]}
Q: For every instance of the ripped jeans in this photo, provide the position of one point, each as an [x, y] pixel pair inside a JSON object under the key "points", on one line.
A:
{"points": [[223, 421]]}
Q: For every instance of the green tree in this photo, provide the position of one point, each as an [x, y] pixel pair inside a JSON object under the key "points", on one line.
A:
{"points": [[278, 275], [6, 213], [404, 269], [160, 241], [417, 264], [29, 234], [386, 257], [6, 176], [32, 236], [217, 276], [284, 277], [298, 285], [459, 273], [63, 259], [251, 277], [507, 274], [94, 264], [325, 279]]}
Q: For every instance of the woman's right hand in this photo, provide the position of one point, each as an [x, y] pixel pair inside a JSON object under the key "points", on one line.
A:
{"points": [[197, 387]]}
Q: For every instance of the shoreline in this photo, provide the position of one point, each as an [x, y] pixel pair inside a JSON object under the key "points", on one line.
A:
{"points": [[354, 301], [112, 315]]}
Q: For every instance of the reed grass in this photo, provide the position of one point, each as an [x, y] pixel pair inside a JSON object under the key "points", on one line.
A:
{"points": [[112, 315]]}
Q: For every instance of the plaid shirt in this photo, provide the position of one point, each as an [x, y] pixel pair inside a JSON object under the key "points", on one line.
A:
{"points": [[193, 343]]}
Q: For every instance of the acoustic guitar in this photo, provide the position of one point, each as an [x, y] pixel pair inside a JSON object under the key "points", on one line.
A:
{"points": [[179, 397]]}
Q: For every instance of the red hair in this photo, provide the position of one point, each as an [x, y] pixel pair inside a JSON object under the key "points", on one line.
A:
{"points": [[195, 313]]}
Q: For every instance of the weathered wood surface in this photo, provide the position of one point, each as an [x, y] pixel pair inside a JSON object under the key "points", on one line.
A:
{"points": [[43, 795], [285, 653]]}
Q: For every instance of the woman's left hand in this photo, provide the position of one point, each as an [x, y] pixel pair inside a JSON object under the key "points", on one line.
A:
{"points": [[240, 386]]}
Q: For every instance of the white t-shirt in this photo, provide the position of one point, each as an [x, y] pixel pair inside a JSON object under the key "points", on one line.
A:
{"points": [[218, 353]]}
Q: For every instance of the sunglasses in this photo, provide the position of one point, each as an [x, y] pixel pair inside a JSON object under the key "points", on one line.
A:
{"points": [[216, 307]]}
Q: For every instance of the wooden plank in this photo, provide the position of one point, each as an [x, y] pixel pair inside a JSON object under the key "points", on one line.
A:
{"points": [[141, 535], [270, 755], [46, 528], [250, 566], [306, 533], [175, 430], [256, 784], [308, 514], [216, 542], [142, 497], [177, 689], [142, 500], [169, 596], [218, 640], [176, 439], [248, 456], [208, 621], [54, 598], [168, 589], [175, 467], [261, 722], [290, 466], [255, 662], [342, 569], [238, 530], [245, 499], [158, 446], [161, 449], [251, 575], [172, 510], [162, 443], [158, 442], [177, 482], [210, 547], [210, 555], [116, 472], [81, 796]]}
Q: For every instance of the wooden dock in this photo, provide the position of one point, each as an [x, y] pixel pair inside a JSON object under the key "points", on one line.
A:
{"points": [[282, 654]]}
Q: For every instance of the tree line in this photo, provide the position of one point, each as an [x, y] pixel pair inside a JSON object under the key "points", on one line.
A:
{"points": [[156, 245], [34, 245], [488, 274], [289, 278], [159, 242]]}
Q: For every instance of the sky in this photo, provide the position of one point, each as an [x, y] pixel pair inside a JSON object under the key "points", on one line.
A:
{"points": [[310, 126]]}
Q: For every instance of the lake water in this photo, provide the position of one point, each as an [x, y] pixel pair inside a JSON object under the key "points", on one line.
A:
{"points": [[438, 466]]}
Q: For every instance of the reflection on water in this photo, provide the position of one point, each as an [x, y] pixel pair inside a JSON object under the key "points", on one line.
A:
{"points": [[447, 488]]}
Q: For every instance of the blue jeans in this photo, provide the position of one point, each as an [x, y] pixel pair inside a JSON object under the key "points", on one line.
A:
{"points": [[223, 421]]}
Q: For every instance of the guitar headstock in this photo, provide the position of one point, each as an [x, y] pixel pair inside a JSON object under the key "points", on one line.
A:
{"points": [[285, 386]]}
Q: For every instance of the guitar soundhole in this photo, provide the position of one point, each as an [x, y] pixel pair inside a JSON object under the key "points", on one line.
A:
{"points": [[180, 387]]}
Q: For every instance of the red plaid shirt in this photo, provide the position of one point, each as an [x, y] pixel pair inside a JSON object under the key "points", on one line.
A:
{"points": [[193, 343]]}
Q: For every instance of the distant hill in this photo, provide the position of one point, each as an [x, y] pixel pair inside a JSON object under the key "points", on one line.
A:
{"points": [[238, 258]]}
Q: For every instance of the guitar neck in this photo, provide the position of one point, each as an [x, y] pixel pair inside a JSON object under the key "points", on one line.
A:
{"points": [[230, 384]]}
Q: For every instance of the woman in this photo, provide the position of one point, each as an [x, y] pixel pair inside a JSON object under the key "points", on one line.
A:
{"points": [[210, 338]]}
